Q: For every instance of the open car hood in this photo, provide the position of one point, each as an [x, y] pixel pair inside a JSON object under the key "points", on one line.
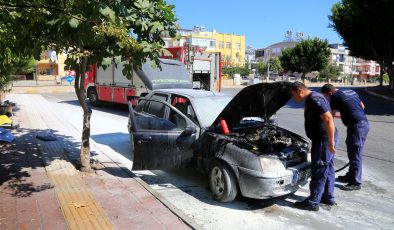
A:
{"points": [[173, 74], [259, 100]]}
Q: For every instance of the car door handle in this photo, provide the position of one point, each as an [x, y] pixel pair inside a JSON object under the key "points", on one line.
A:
{"points": [[145, 139]]}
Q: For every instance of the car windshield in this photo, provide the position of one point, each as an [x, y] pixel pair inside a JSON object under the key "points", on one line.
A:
{"points": [[209, 108]]}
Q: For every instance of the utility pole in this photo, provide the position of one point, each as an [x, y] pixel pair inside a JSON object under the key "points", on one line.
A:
{"points": [[268, 64]]}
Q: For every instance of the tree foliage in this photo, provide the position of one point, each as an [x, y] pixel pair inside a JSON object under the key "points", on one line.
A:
{"points": [[367, 28], [7, 56], [307, 55], [261, 68], [24, 65], [275, 65], [331, 72], [231, 70], [91, 32]]}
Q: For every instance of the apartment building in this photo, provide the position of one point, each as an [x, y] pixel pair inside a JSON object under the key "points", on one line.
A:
{"points": [[231, 46], [352, 67], [274, 50]]}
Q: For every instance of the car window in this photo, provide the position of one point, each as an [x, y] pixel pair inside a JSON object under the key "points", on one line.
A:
{"points": [[150, 121], [141, 105], [153, 107], [183, 104]]}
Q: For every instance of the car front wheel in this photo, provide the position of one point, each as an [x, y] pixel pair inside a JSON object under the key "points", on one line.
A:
{"points": [[222, 182], [93, 98]]}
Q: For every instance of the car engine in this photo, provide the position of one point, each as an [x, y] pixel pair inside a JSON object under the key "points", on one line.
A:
{"points": [[269, 139]]}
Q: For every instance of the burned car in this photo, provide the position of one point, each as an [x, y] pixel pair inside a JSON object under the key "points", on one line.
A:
{"points": [[229, 138]]}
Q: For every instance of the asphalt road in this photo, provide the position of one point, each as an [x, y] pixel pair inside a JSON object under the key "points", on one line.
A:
{"points": [[370, 208]]}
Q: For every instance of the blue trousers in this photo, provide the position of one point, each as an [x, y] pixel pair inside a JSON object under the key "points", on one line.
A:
{"points": [[356, 135], [322, 181]]}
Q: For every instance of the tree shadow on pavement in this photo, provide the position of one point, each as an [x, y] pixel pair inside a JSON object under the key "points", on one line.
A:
{"points": [[22, 165], [19, 163]]}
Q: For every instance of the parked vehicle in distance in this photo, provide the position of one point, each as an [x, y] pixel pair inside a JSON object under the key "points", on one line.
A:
{"points": [[228, 138]]}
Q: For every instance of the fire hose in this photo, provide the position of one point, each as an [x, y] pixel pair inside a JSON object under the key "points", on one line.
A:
{"points": [[342, 167]]}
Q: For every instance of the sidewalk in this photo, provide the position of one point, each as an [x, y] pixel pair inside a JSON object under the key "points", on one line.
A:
{"points": [[41, 188]]}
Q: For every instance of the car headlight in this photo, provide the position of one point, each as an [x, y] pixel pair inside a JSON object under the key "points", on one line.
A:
{"points": [[270, 164]]}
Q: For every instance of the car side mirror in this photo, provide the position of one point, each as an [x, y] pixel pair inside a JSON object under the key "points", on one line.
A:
{"points": [[188, 131]]}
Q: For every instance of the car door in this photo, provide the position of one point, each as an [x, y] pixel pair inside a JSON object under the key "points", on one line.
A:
{"points": [[161, 136]]}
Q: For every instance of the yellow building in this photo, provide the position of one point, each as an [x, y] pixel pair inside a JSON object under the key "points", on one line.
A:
{"points": [[231, 46], [50, 65]]}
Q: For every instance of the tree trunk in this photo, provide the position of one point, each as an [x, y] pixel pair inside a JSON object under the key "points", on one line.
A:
{"points": [[390, 70], [87, 112], [381, 75], [303, 77]]}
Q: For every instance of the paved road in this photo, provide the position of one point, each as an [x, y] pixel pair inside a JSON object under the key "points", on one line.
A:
{"points": [[370, 208]]}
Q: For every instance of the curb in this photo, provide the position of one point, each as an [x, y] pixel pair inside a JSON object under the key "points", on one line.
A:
{"points": [[42, 89], [185, 219], [378, 95], [188, 221]]}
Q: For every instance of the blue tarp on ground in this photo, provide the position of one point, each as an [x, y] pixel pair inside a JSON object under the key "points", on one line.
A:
{"points": [[6, 136]]}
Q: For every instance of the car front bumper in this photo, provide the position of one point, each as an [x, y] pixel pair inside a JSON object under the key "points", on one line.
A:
{"points": [[259, 185]]}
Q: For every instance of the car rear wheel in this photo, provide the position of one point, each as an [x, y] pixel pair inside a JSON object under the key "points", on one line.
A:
{"points": [[93, 98], [222, 182]]}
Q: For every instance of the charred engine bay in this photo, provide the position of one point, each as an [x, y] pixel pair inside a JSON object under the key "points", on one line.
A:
{"points": [[269, 139]]}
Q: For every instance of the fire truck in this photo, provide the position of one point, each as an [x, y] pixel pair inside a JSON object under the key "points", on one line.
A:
{"points": [[205, 68], [182, 70]]}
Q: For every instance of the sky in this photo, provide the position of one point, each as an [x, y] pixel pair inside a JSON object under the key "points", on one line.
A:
{"points": [[263, 22]]}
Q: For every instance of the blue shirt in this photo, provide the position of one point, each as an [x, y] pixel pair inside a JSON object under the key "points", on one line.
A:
{"points": [[315, 105], [348, 103]]}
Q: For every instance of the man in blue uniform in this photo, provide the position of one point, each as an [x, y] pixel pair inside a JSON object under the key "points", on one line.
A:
{"points": [[353, 117], [319, 127]]}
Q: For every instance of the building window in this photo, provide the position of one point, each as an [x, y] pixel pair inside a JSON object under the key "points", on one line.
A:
{"points": [[212, 43], [228, 45], [259, 53], [221, 45], [238, 46]]}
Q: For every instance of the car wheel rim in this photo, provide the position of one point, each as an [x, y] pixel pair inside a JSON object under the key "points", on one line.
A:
{"points": [[217, 181], [92, 97]]}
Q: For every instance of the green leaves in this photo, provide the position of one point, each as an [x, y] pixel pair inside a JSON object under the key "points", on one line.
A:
{"points": [[367, 28], [98, 30], [307, 55], [106, 61], [165, 52], [109, 13], [74, 23]]}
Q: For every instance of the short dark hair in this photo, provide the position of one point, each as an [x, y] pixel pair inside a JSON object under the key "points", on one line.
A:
{"points": [[298, 85], [327, 88]]}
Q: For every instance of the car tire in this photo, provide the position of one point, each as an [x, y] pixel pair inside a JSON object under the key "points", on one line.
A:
{"points": [[93, 98], [222, 182]]}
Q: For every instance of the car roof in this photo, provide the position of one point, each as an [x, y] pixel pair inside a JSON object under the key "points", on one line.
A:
{"points": [[191, 93]]}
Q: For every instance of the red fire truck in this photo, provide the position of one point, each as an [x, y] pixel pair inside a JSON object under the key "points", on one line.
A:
{"points": [[111, 85], [182, 70]]}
